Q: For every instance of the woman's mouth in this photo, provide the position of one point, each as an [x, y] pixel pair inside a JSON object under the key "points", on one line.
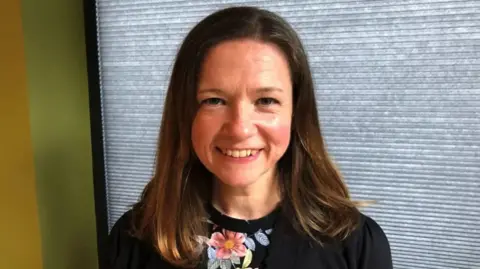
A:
{"points": [[238, 153]]}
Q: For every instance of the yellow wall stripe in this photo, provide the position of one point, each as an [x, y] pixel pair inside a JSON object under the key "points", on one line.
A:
{"points": [[19, 228]]}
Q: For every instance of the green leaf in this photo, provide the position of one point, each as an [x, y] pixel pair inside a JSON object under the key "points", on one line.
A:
{"points": [[225, 264], [248, 259], [213, 264], [235, 259]]}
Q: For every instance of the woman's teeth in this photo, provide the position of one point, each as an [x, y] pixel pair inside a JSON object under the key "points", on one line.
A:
{"points": [[239, 153]]}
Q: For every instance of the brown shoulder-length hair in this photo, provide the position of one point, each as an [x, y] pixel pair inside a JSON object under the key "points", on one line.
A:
{"points": [[171, 212]]}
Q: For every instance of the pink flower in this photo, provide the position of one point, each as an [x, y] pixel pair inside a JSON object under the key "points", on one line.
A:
{"points": [[227, 243]]}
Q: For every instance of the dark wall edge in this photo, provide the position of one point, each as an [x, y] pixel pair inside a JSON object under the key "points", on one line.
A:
{"points": [[96, 127]]}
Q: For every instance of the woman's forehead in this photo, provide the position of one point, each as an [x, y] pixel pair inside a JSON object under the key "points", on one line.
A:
{"points": [[251, 63]]}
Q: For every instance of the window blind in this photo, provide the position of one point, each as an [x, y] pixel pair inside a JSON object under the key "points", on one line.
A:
{"points": [[397, 86]]}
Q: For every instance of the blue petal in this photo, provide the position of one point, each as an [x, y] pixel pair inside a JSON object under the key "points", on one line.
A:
{"points": [[262, 239], [250, 243], [211, 253]]}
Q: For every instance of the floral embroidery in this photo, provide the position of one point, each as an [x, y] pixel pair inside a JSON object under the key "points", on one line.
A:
{"points": [[227, 243], [227, 249]]}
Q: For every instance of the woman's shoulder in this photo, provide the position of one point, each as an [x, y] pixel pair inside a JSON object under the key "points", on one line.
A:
{"points": [[121, 233], [124, 222], [368, 228], [368, 245], [120, 239], [125, 251]]}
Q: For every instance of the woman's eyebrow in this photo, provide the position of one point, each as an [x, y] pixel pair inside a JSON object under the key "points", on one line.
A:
{"points": [[211, 90], [218, 91], [269, 90]]}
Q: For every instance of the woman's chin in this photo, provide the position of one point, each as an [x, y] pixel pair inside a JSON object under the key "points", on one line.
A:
{"points": [[236, 182]]}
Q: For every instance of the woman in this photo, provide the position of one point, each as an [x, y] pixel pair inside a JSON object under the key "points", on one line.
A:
{"points": [[243, 179]]}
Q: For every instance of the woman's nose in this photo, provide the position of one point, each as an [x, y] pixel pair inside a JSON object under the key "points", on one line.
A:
{"points": [[239, 123]]}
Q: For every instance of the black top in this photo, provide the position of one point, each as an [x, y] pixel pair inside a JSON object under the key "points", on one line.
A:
{"points": [[269, 242], [238, 243]]}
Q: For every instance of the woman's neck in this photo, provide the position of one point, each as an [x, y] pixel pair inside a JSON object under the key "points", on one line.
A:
{"points": [[248, 203]]}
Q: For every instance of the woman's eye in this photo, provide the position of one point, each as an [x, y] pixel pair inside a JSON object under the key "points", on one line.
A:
{"points": [[213, 102], [267, 101]]}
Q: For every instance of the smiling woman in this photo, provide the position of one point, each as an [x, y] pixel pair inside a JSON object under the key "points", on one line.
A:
{"points": [[243, 116], [243, 179]]}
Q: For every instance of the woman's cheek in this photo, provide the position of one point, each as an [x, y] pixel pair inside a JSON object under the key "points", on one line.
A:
{"points": [[281, 135], [278, 131], [202, 129]]}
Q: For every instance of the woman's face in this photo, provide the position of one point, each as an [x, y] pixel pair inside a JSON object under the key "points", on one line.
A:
{"points": [[242, 127]]}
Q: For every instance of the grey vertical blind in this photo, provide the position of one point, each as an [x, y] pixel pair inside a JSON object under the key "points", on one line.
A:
{"points": [[398, 92]]}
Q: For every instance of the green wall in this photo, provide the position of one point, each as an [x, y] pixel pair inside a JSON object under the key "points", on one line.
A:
{"points": [[60, 130]]}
